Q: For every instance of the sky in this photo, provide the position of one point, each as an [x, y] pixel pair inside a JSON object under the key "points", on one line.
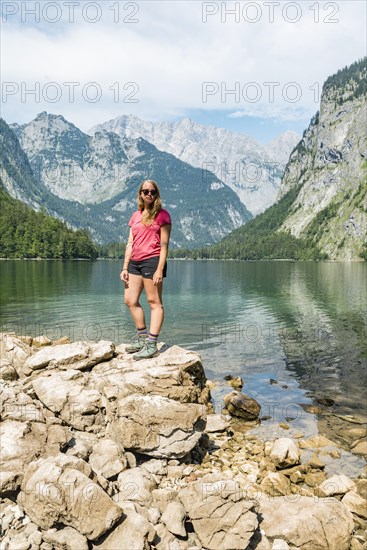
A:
{"points": [[255, 67]]}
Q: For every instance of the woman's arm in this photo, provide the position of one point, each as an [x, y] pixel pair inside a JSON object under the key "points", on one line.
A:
{"points": [[165, 235], [128, 251]]}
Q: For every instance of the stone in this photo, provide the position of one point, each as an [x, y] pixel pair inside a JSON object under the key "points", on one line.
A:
{"points": [[307, 523], [135, 484], [316, 462], [362, 487], [58, 490], [236, 382], [221, 517], [336, 485], [241, 405], [14, 353], [315, 442], [71, 396], [216, 423], [176, 373], [66, 538], [315, 478], [174, 518], [134, 533], [355, 503], [360, 448], [108, 458], [275, 484], [78, 355], [285, 453], [22, 442], [156, 426], [41, 341]]}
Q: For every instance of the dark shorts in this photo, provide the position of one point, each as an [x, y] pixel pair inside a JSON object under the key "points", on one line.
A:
{"points": [[146, 268]]}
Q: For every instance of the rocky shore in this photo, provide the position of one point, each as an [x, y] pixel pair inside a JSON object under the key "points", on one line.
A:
{"points": [[99, 451]]}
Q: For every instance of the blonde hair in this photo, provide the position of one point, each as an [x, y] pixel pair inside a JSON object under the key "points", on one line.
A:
{"points": [[148, 216]]}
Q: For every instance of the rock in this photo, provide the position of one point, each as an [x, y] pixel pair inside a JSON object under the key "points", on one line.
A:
{"points": [[72, 396], [21, 443], [316, 462], [66, 538], [156, 426], [236, 382], [174, 518], [313, 479], [41, 341], [239, 404], [13, 353], [78, 355], [285, 453], [355, 503], [135, 484], [58, 490], [108, 458], [275, 484], [175, 373], [81, 444], [315, 442], [307, 523], [362, 488], [326, 401], [280, 544], [134, 533], [62, 340], [7, 371], [219, 514], [360, 448], [216, 423], [155, 466], [336, 485]]}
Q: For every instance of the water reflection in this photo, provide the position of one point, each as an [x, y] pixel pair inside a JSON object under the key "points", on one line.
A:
{"points": [[302, 324]]}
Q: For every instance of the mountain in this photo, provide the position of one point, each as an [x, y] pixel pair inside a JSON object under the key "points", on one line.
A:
{"points": [[25, 233], [330, 166], [321, 209], [91, 182], [252, 170]]}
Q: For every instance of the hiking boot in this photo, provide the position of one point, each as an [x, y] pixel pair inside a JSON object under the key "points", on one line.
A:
{"points": [[137, 344], [149, 350]]}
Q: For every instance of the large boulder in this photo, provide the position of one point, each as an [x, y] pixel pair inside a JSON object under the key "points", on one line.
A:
{"points": [[13, 354], [307, 523], [175, 373], [241, 405], [71, 396], [22, 442], [156, 426], [58, 490], [78, 355], [221, 517]]}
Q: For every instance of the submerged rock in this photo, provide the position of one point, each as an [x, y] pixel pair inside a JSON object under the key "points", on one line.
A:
{"points": [[241, 405]]}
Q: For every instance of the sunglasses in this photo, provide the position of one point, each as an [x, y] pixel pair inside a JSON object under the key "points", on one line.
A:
{"points": [[152, 192]]}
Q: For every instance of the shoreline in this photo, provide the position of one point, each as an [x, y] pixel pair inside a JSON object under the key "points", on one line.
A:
{"points": [[185, 260], [87, 410]]}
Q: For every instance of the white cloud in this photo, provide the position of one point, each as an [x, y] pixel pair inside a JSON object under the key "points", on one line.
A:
{"points": [[170, 52]]}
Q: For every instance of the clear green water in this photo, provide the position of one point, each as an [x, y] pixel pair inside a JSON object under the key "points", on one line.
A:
{"points": [[302, 324]]}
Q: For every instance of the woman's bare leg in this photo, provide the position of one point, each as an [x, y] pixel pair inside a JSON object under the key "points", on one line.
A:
{"points": [[132, 294], [154, 297]]}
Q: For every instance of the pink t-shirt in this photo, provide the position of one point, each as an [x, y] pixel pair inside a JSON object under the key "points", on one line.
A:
{"points": [[147, 238]]}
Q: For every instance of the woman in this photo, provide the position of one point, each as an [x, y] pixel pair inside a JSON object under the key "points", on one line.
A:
{"points": [[145, 266]]}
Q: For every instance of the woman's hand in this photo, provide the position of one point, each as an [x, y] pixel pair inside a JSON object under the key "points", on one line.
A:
{"points": [[158, 276], [124, 276]]}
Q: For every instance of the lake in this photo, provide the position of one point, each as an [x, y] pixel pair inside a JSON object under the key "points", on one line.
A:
{"points": [[294, 331]]}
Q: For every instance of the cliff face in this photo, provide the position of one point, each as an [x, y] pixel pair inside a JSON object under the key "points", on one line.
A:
{"points": [[330, 163]]}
